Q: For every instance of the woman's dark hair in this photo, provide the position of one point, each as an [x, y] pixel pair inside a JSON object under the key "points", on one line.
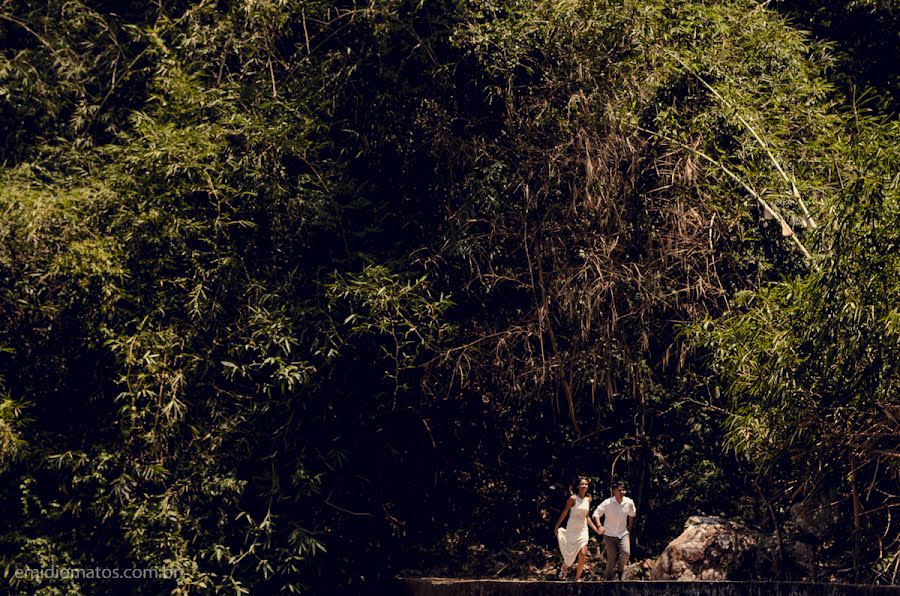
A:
{"points": [[573, 488]]}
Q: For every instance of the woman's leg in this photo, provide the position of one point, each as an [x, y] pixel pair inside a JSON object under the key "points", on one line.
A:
{"points": [[581, 556]]}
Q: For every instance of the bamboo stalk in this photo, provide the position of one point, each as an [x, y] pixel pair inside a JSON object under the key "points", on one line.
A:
{"points": [[807, 218], [786, 229]]}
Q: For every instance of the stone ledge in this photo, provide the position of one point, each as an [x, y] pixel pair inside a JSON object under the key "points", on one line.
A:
{"points": [[436, 586]]}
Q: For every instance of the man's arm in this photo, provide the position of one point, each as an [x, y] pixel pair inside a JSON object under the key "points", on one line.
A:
{"points": [[598, 526]]}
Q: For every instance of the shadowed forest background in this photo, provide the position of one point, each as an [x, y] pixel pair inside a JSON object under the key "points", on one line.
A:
{"points": [[298, 295]]}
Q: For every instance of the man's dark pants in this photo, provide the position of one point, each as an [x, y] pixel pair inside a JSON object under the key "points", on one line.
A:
{"points": [[618, 550]]}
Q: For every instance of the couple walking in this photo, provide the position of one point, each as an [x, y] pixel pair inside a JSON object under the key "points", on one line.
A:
{"points": [[618, 512]]}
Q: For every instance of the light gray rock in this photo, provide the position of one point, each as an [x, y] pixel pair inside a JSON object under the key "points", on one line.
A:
{"points": [[710, 548]]}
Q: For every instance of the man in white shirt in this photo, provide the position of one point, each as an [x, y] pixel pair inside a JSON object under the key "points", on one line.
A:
{"points": [[618, 512]]}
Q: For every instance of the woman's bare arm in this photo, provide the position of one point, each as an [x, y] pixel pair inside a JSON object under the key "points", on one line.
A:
{"points": [[563, 515], [590, 521]]}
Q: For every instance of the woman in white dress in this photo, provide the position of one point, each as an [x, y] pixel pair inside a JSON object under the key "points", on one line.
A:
{"points": [[573, 539]]}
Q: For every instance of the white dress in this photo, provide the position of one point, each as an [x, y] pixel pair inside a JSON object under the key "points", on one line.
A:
{"points": [[575, 535]]}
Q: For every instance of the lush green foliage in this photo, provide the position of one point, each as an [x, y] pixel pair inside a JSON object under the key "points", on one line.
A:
{"points": [[811, 362], [293, 291]]}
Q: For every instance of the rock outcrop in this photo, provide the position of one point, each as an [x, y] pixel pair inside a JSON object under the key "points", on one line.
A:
{"points": [[710, 548]]}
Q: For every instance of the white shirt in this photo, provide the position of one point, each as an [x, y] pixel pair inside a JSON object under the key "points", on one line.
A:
{"points": [[617, 514]]}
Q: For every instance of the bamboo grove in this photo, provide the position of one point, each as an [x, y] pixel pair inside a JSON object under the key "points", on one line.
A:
{"points": [[295, 295]]}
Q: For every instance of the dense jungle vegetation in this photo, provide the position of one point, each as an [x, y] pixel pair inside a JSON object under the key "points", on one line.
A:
{"points": [[297, 295]]}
